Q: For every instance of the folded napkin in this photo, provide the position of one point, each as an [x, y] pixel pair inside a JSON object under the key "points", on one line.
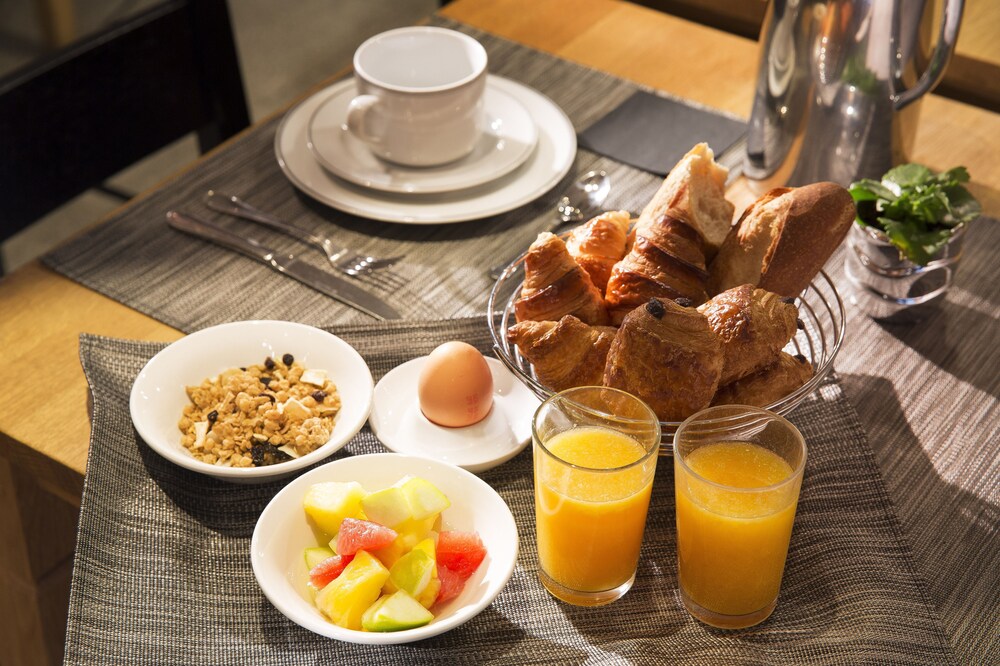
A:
{"points": [[652, 132], [162, 572]]}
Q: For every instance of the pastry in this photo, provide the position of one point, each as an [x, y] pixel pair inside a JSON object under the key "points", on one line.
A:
{"points": [[667, 355], [767, 385], [599, 244], [667, 261], [566, 353], [753, 326], [555, 286]]}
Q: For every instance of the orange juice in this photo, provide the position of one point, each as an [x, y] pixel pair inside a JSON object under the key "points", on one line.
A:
{"points": [[733, 533], [590, 521]]}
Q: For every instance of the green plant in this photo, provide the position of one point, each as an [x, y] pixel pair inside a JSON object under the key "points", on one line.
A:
{"points": [[917, 209]]}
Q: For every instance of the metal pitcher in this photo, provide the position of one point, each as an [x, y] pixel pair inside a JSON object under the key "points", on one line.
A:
{"points": [[837, 84]]}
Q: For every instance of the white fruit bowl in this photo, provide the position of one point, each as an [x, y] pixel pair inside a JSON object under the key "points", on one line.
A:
{"points": [[283, 533], [158, 396]]}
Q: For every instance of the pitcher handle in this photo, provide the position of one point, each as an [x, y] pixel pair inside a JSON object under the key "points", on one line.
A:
{"points": [[943, 50]]}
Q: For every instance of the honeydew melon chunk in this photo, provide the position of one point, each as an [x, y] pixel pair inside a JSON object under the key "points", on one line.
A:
{"points": [[424, 497], [316, 555], [329, 502], [412, 572], [388, 507], [345, 599], [395, 612]]}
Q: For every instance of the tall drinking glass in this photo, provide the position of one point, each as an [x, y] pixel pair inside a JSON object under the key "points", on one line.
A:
{"points": [[595, 453], [737, 475]]}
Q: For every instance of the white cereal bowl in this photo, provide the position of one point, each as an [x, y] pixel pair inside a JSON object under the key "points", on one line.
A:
{"points": [[283, 533], [158, 396]]}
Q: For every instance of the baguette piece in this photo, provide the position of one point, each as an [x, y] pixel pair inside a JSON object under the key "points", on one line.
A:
{"points": [[696, 186], [783, 239]]}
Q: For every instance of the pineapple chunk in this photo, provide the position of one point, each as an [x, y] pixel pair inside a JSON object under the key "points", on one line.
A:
{"points": [[345, 599]]}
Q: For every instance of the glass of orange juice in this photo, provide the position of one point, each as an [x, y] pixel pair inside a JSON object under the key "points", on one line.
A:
{"points": [[595, 453], [737, 475]]}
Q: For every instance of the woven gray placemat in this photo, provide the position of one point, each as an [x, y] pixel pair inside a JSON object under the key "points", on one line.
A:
{"points": [[136, 259], [162, 572]]}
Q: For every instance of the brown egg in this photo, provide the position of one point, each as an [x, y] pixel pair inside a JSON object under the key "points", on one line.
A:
{"points": [[455, 387]]}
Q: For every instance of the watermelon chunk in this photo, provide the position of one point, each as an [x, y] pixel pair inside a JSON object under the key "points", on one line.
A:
{"points": [[321, 574], [461, 552], [452, 584], [355, 535]]}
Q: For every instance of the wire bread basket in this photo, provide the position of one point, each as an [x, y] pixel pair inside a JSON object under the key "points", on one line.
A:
{"points": [[820, 309]]}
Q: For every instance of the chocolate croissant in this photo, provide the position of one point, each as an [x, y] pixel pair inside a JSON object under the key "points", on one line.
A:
{"points": [[555, 286], [599, 244], [767, 385], [753, 325], [667, 261], [566, 353], [667, 355]]}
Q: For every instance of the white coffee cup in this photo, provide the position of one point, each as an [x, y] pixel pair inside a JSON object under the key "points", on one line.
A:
{"points": [[421, 95]]}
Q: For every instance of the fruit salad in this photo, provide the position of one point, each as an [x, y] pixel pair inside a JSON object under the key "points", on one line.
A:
{"points": [[384, 563]]}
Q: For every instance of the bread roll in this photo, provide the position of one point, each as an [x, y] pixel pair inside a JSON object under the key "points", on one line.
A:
{"points": [[696, 186], [783, 239]]}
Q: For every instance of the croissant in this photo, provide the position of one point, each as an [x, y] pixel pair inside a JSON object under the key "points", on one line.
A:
{"points": [[667, 355], [554, 286], [566, 353], [599, 244], [753, 326], [767, 385], [667, 260]]}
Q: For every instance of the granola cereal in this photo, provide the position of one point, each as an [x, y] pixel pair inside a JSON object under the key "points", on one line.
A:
{"points": [[259, 415]]}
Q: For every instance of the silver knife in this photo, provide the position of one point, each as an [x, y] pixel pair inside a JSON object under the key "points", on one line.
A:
{"points": [[326, 283]]}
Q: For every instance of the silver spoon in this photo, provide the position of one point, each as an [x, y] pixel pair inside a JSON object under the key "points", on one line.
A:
{"points": [[585, 197]]}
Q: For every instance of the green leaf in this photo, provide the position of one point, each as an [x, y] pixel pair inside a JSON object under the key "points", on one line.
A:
{"points": [[867, 189], [908, 174], [963, 206]]}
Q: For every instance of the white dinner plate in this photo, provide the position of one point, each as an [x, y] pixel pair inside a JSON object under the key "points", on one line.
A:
{"points": [[398, 423], [547, 164], [509, 136]]}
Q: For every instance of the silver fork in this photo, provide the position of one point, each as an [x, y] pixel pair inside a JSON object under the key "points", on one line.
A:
{"points": [[356, 265]]}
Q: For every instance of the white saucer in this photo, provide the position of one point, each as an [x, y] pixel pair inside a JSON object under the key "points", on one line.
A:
{"points": [[397, 421], [547, 164], [508, 138]]}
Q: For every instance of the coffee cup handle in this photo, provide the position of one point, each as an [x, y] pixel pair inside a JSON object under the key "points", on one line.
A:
{"points": [[357, 118]]}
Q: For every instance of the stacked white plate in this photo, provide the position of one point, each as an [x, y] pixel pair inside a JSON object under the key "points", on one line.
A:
{"points": [[527, 146]]}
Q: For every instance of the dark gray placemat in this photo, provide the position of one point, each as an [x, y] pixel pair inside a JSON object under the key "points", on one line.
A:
{"points": [[162, 572], [652, 132], [136, 259]]}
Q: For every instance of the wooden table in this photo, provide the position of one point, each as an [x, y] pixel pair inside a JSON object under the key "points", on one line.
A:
{"points": [[45, 426]]}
